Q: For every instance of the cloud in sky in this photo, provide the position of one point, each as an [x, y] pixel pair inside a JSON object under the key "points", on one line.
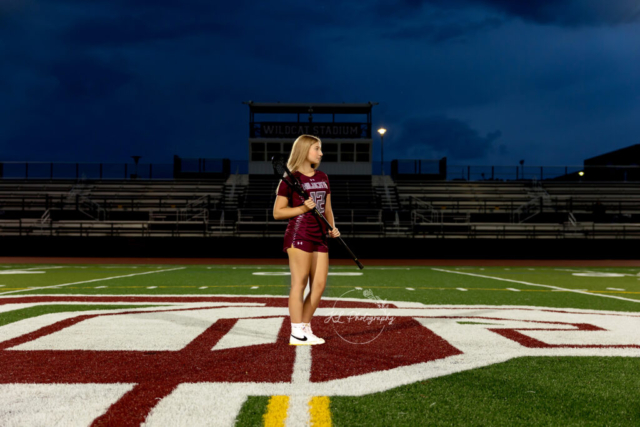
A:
{"points": [[438, 136], [572, 13], [86, 81]]}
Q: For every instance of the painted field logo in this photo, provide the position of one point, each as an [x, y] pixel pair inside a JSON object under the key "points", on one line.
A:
{"points": [[199, 358], [373, 322]]}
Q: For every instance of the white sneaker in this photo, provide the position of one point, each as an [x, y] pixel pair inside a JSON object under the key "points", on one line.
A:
{"points": [[299, 338], [304, 336], [307, 330]]}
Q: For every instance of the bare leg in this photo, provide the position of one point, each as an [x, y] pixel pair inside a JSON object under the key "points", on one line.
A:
{"points": [[299, 264], [318, 281]]}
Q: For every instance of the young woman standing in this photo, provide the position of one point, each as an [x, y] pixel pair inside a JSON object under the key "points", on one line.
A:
{"points": [[305, 240]]}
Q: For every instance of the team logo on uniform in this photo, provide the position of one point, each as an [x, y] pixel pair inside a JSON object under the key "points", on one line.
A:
{"points": [[210, 353]]}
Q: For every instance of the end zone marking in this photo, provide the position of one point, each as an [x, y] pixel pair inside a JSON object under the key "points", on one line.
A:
{"points": [[97, 280], [58, 404], [537, 284], [248, 332]]}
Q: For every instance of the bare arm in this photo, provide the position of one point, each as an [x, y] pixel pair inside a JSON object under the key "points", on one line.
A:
{"points": [[281, 209], [328, 213]]}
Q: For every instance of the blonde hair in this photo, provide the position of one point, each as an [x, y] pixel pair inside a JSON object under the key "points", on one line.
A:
{"points": [[300, 152]]}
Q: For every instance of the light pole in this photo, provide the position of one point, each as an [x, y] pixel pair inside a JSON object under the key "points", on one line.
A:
{"points": [[382, 131], [136, 159]]}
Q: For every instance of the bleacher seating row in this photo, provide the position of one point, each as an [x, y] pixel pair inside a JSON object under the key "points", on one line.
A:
{"points": [[356, 206], [68, 200], [363, 205], [540, 202]]}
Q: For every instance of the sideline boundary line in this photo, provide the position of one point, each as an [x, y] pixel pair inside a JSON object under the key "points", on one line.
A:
{"points": [[537, 284], [93, 280]]}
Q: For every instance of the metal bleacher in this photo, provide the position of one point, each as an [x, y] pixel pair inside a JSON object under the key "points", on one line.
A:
{"points": [[517, 209], [616, 201], [355, 205], [123, 207], [363, 206]]}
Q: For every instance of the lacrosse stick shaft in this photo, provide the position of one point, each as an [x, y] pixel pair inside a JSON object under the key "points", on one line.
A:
{"points": [[316, 212]]}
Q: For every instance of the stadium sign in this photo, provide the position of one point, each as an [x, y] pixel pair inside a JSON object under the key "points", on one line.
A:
{"points": [[322, 130], [200, 357]]}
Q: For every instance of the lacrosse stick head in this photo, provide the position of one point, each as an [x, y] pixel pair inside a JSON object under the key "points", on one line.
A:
{"points": [[281, 170]]}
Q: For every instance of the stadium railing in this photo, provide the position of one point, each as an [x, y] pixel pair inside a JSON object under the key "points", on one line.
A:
{"points": [[362, 206]]}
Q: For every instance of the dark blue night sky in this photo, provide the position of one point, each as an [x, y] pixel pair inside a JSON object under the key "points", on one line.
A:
{"points": [[479, 81]]}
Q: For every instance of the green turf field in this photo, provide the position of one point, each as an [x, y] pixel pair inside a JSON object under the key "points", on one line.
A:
{"points": [[524, 391], [551, 287]]}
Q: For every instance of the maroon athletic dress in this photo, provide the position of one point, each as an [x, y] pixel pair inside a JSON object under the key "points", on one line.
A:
{"points": [[306, 231]]}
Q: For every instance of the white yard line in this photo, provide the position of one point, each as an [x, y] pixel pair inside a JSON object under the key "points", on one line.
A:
{"points": [[94, 280], [20, 270], [537, 284], [298, 412], [592, 272]]}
